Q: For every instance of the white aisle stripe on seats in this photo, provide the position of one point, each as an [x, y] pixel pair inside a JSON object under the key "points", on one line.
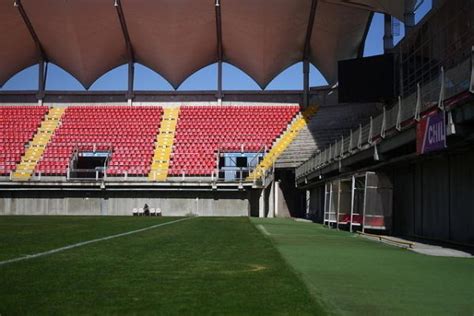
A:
{"points": [[49, 252]]}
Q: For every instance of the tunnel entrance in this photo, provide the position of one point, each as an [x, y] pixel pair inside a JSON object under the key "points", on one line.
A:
{"points": [[89, 164]]}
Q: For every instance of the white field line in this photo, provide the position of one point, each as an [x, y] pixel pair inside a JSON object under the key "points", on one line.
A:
{"points": [[263, 230], [80, 244]]}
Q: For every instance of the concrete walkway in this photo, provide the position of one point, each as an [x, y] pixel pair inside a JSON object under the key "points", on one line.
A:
{"points": [[426, 249]]}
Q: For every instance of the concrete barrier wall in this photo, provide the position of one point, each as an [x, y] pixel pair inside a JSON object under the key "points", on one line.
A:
{"points": [[171, 203]]}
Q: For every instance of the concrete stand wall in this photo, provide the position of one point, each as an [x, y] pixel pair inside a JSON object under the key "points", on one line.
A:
{"points": [[171, 203]]}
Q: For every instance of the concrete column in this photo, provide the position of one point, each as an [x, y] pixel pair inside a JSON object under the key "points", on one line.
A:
{"points": [[272, 201], [308, 202], [436, 3], [409, 15], [305, 83], [261, 204], [388, 34], [273, 209]]}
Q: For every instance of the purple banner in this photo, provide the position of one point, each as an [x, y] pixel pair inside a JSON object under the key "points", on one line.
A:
{"points": [[431, 133]]}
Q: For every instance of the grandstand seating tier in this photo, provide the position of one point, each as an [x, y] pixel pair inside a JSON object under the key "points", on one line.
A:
{"points": [[202, 131], [133, 136], [129, 132], [19, 124]]}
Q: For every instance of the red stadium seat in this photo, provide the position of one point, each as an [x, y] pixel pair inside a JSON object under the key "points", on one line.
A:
{"points": [[202, 130], [129, 131], [19, 124]]}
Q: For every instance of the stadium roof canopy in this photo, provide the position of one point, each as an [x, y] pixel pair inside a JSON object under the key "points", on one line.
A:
{"points": [[175, 38]]}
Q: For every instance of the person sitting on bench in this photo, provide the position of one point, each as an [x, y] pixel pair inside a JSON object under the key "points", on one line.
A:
{"points": [[146, 210]]}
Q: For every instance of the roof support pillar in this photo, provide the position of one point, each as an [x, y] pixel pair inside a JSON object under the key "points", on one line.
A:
{"points": [[436, 3], [388, 34], [409, 15], [306, 52], [131, 76], [219, 95], [360, 52], [41, 54], [219, 82], [305, 83], [130, 52], [42, 73]]}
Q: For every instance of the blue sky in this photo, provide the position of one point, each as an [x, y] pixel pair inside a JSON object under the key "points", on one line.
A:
{"points": [[206, 78]]}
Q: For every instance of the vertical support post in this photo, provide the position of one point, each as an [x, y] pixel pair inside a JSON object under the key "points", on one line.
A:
{"points": [[219, 82], [130, 52], [409, 15], [276, 188], [41, 81], [441, 90], [351, 142], [418, 102], [435, 3], [338, 203], [359, 141], [131, 77], [388, 34], [371, 131], [219, 51], [376, 153], [384, 123], [398, 124], [365, 203], [306, 83], [352, 203], [342, 147]]}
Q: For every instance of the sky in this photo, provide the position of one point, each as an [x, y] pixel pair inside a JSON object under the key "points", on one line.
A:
{"points": [[204, 79]]}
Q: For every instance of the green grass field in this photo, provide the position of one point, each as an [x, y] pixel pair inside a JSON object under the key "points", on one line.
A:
{"points": [[236, 266], [198, 266], [349, 274]]}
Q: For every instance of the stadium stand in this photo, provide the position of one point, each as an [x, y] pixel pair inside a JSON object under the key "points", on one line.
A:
{"points": [[129, 132], [140, 138], [19, 124], [203, 130], [164, 145], [283, 142], [24, 170]]}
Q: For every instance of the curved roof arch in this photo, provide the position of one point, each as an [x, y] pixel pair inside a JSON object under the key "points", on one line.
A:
{"points": [[29, 71], [240, 70], [85, 42], [178, 38], [295, 63], [148, 69], [20, 53], [53, 68]]}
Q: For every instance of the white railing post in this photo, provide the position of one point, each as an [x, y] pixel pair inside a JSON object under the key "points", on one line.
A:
{"points": [[418, 103], [371, 131], [398, 125], [351, 141], [342, 146], [384, 123], [441, 90], [359, 141]]}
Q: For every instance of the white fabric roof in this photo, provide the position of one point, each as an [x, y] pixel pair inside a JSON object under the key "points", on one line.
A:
{"points": [[178, 37]]}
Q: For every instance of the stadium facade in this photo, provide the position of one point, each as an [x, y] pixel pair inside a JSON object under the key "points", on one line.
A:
{"points": [[401, 164]]}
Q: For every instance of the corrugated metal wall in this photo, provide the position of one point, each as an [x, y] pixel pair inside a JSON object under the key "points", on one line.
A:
{"points": [[434, 198]]}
